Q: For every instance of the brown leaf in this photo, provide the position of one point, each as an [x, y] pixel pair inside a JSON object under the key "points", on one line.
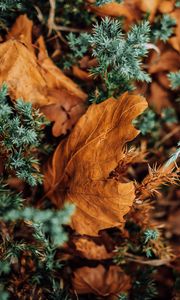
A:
{"points": [[64, 114], [100, 281], [163, 80], [165, 7], [91, 250], [22, 31], [21, 72], [140, 214], [81, 74], [159, 97], [173, 222], [86, 62], [64, 95], [115, 9], [38, 80], [55, 77], [168, 61], [175, 40], [160, 64], [81, 165], [150, 7]]}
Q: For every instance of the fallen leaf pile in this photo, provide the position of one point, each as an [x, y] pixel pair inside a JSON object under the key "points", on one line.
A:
{"points": [[122, 227]]}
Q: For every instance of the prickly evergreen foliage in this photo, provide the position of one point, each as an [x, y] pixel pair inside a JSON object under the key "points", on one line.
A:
{"points": [[51, 220], [102, 2], [150, 234], [177, 3], [20, 134], [174, 78], [169, 115], [163, 28], [79, 45], [144, 287], [46, 231], [143, 244], [9, 200], [123, 296], [73, 14], [147, 123], [10, 4], [119, 57], [150, 123], [8, 12], [12, 209]]}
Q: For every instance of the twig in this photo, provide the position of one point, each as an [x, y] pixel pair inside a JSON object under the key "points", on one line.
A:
{"points": [[68, 29], [151, 46], [51, 22], [167, 136], [52, 25], [153, 262], [39, 14], [75, 293]]}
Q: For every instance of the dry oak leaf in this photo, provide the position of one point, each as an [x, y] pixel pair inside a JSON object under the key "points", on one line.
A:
{"points": [[159, 97], [150, 7], [163, 80], [165, 7], [114, 9], [38, 80], [173, 223], [21, 72], [55, 77], [100, 281], [168, 61], [153, 6], [91, 250], [66, 99], [22, 31], [81, 164], [175, 39], [81, 74]]}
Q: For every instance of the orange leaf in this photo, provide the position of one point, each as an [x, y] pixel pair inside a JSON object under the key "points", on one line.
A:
{"points": [[168, 61], [90, 250], [81, 165], [81, 74], [54, 76], [175, 40], [64, 95], [100, 281], [115, 9], [149, 7], [22, 31], [159, 97], [21, 72], [165, 7], [38, 80]]}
